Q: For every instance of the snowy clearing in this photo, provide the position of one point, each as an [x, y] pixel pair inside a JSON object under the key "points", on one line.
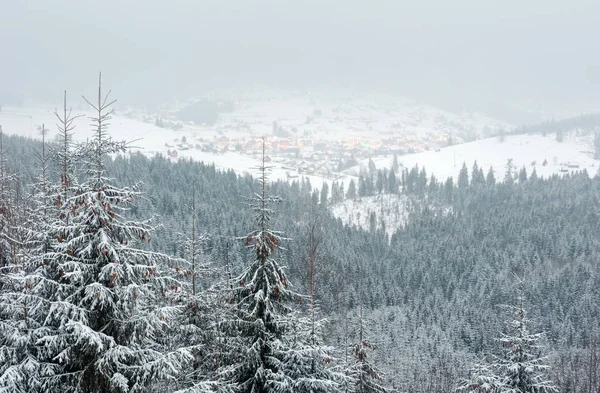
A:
{"points": [[390, 210], [530, 151], [150, 140]]}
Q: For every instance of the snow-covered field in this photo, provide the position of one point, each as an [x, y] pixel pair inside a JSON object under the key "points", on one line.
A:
{"points": [[337, 115], [145, 137], [323, 116], [28, 122], [529, 151], [390, 210], [317, 116]]}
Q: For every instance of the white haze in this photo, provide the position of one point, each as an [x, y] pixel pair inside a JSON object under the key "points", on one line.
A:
{"points": [[501, 57]]}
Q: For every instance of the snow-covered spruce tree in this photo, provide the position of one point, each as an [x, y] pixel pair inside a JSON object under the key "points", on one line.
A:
{"points": [[20, 370], [15, 345], [7, 243], [521, 368], [33, 289], [97, 291], [200, 313], [482, 379], [312, 363], [308, 363], [364, 375], [265, 350]]}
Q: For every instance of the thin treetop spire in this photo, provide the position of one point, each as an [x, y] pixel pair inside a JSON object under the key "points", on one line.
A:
{"points": [[100, 122], [64, 155], [264, 201]]}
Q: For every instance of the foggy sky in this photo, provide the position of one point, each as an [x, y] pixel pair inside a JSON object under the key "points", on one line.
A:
{"points": [[474, 52]]}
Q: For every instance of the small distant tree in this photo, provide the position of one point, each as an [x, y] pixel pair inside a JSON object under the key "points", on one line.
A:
{"points": [[380, 182], [463, 177], [362, 187], [559, 135], [403, 180], [597, 145], [372, 167], [523, 175], [449, 189], [324, 198], [340, 192], [477, 177], [509, 174], [372, 222], [433, 185], [351, 193], [392, 183], [534, 175], [421, 183], [409, 181], [369, 185]]}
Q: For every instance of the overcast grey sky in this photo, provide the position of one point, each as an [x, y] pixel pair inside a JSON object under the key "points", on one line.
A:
{"points": [[544, 52]]}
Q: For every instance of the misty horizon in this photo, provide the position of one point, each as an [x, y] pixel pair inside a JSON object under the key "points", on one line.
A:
{"points": [[487, 57]]}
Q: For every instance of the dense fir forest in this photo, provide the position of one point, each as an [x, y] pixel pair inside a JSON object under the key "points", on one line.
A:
{"points": [[202, 280]]}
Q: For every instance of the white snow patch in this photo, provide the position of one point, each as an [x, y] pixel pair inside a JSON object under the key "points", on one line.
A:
{"points": [[525, 150], [150, 140], [390, 209]]}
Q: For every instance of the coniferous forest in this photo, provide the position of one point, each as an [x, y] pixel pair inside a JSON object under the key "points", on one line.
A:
{"points": [[126, 273]]}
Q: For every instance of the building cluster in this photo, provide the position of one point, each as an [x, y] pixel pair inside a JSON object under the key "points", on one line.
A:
{"points": [[311, 155]]}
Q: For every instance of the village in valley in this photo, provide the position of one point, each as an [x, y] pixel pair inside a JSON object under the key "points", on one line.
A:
{"points": [[307, 155], [314, 137], [325, 137]]}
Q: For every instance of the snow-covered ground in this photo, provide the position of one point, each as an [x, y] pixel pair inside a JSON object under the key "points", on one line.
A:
{"points": [[147, 138], [529, 151], [340, 117], [317, 116], [390, 210], [336, 115]]}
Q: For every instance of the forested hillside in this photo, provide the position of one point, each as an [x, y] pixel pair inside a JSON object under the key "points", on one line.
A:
{"points": [[426, 301]]}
